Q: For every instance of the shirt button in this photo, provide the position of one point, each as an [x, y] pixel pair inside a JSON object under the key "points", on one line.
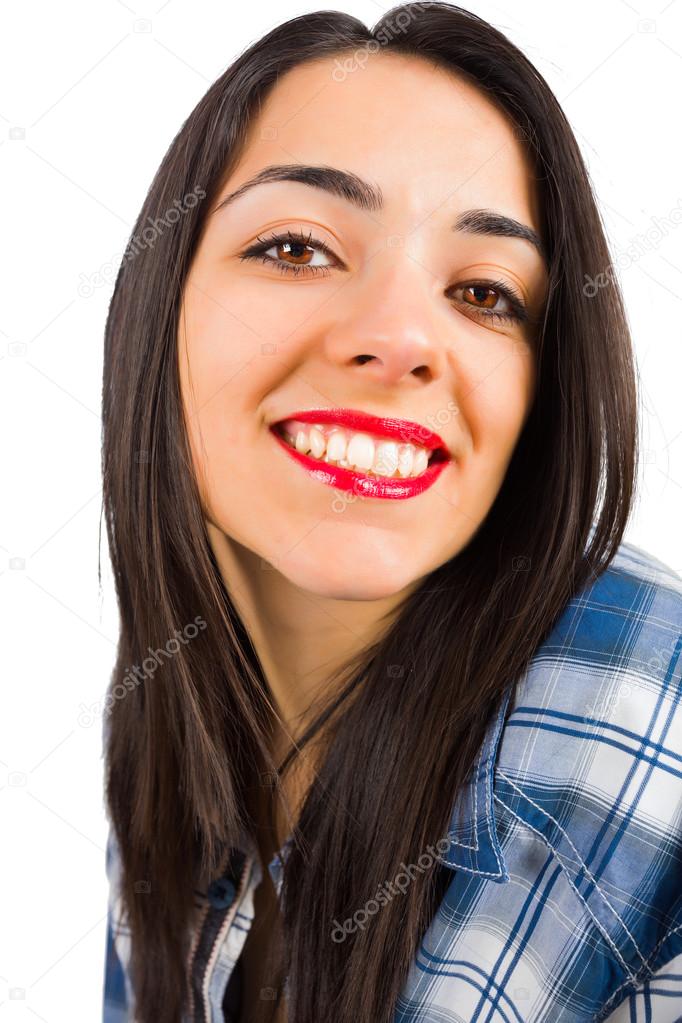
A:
{"points": [[221, 893]]}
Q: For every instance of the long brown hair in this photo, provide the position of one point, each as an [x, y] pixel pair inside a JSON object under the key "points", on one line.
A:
{"points": [[412, 711]]}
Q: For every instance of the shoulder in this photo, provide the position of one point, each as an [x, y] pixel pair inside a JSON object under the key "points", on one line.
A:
{"points": [[589, 763], [614, 652], [632, 612], [634, 604]]}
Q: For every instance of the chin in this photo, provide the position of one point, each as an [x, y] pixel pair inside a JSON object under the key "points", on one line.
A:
{"points": [[346, 576]]}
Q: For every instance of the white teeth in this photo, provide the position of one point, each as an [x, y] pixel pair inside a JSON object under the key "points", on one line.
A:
{"points": [[318, 442], [386, 458], [336, 446], [420, 462], [357, 450], [302, 442], [361, 451], [405, 459]]}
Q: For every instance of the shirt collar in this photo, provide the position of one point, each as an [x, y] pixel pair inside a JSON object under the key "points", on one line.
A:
{"points": [[472, 834]]}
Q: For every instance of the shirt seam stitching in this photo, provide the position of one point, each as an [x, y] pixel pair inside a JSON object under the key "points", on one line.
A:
{"points": [[567, 875], [584, 866]]}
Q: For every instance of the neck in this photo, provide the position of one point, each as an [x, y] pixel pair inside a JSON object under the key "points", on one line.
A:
{"points": [[301, 638]]}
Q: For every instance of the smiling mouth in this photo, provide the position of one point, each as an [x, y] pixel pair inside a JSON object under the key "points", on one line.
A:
{"points": [[367, 456], [358, 451]]}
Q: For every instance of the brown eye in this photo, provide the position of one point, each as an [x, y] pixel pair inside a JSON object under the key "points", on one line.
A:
{"points": [[490, 300], [480, 296], [295, 250], [294, 254]]}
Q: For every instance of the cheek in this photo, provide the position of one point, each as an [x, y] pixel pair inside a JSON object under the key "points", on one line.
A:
{"points": [[224, 376], [262, 310], [223, 461], [214, 343], [226, 366], [210, 361], [499, 400]]}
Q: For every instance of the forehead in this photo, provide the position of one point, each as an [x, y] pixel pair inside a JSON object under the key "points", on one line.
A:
{"points": [[425, 135]]}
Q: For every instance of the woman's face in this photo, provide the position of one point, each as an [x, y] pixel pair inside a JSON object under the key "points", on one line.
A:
{"points": [[390, 308]]}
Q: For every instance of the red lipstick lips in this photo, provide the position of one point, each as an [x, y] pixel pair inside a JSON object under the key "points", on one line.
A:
{"points": [[398, 430]]}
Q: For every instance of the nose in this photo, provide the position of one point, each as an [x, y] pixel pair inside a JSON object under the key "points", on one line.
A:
{"points": [[388, 330]]}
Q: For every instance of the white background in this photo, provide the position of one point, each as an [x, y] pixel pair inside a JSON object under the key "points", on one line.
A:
{"points": [[91, 96]]}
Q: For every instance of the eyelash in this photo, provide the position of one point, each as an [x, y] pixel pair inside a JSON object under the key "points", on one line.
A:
{"points": [[517, 314]]}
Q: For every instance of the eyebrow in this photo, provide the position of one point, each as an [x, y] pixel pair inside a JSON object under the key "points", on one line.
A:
{"points": [[369, 197]]}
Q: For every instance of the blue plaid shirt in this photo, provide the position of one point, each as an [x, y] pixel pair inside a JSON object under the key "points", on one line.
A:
{"points": [[564, 887]]}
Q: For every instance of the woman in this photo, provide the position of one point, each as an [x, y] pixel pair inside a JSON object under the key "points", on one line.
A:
{"points": [[369, 455]]}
